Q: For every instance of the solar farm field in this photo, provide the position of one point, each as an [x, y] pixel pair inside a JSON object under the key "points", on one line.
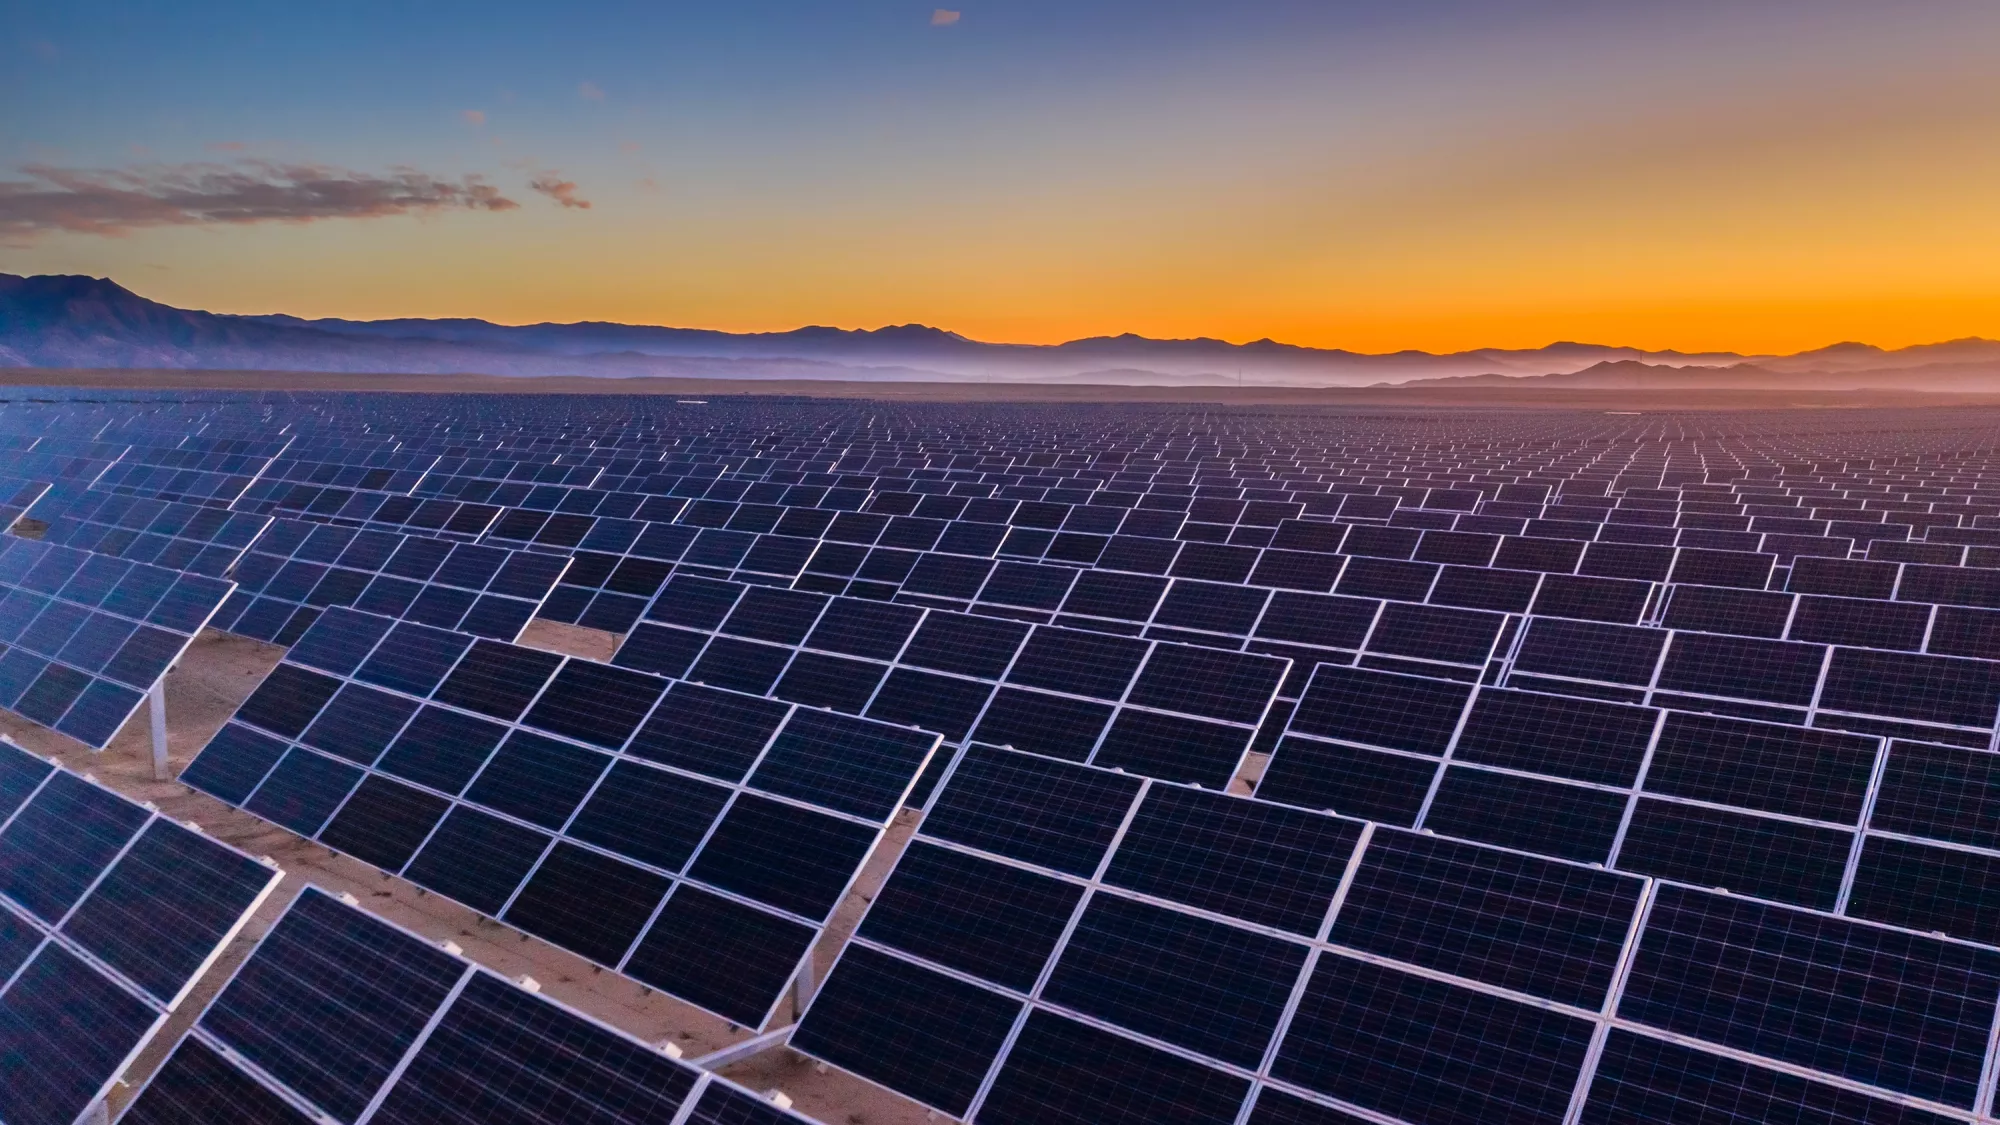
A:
{"points": [[1029, 763]]}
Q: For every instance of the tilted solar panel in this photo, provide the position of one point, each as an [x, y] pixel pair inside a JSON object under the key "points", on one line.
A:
{"points": [[296, 570], [339, 1015], [86, 636], [109, 914], [631, 819]]}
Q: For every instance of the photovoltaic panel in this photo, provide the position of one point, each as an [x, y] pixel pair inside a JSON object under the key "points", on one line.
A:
{"points": [[1764, 767], [190, 537], [1890, 1009], [1189, 950], [622, 816], [308, 481], [109, 914], [85, 636], [195, 469], [339, 1015], [296, 570], [1394, 712], [1644, 1079], [1572, 738], [1529, 925], [1164, 710], [17, 495], [1416, 1047], [198, 1083]]}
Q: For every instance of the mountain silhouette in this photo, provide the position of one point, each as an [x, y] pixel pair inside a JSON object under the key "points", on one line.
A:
{"points": [[84, 322]]}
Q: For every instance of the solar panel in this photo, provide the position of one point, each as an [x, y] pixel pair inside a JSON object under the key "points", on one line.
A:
{"points": [[109, 914], [193, 469], [622, 816], [1188, 713], [1888, 1009], [1049, 917], [1517, 922], [296, 570], [312, 481], [339, 1015], [17, 495], [1644, 1079], [189, 537], [86, 636]]}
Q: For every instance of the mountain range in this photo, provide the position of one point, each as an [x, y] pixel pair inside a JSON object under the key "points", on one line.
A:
{"points": [[82, 322]]}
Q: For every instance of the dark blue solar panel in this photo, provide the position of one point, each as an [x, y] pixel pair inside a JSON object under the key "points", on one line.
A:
{"points": [[1905, 1013], [330, 1002]]}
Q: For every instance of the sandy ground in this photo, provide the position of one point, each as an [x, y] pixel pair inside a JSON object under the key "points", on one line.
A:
{"points": [[216, 675], [1449, 397], [570, 640]]}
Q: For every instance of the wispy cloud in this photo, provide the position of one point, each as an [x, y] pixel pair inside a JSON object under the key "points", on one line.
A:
{"points": [[563, 191], [119, 201], [590, 91], [45, 50], [474, 117], [226, 146], [943, 17]]}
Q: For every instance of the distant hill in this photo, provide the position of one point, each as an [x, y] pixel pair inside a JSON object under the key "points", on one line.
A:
{"points": [[1958, 365], [83, 322]]}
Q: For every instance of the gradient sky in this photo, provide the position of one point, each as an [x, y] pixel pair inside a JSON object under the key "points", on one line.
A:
{"points": [[1436, 174]]}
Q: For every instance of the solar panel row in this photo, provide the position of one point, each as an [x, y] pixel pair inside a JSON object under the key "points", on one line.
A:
{"points": [[109, 913], [692, 838], [1061, 943], [83, 636], [297, 569], [339, 1016]]}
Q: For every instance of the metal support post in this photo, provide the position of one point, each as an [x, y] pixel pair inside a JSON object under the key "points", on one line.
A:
{"points": [[802, 988], [737, 1052], [156, 703]]}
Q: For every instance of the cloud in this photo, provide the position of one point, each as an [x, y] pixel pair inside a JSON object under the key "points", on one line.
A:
{"points": [[563, 191], [628, 146], [45, 50], [474, 117], [943, 17], [590, 91], [225, 146], [119, 201]]}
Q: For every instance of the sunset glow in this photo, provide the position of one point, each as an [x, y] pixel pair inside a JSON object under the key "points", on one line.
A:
{"points": [[1440, 175]]}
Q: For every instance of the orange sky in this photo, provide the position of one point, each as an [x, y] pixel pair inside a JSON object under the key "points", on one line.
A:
{"points": [[1750, 177]]}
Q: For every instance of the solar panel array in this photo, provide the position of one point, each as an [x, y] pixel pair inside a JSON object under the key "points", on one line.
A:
{"points": [[1066, 944], [84, 636], [1157, 708], [190, 537], [109, 913], [694, 839], [339, 1016], [296, 569], [1744, 667], [193, 469]]}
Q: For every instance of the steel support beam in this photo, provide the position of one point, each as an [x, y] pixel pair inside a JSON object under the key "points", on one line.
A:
{"points": [[156, 705], [749, 1048]]}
